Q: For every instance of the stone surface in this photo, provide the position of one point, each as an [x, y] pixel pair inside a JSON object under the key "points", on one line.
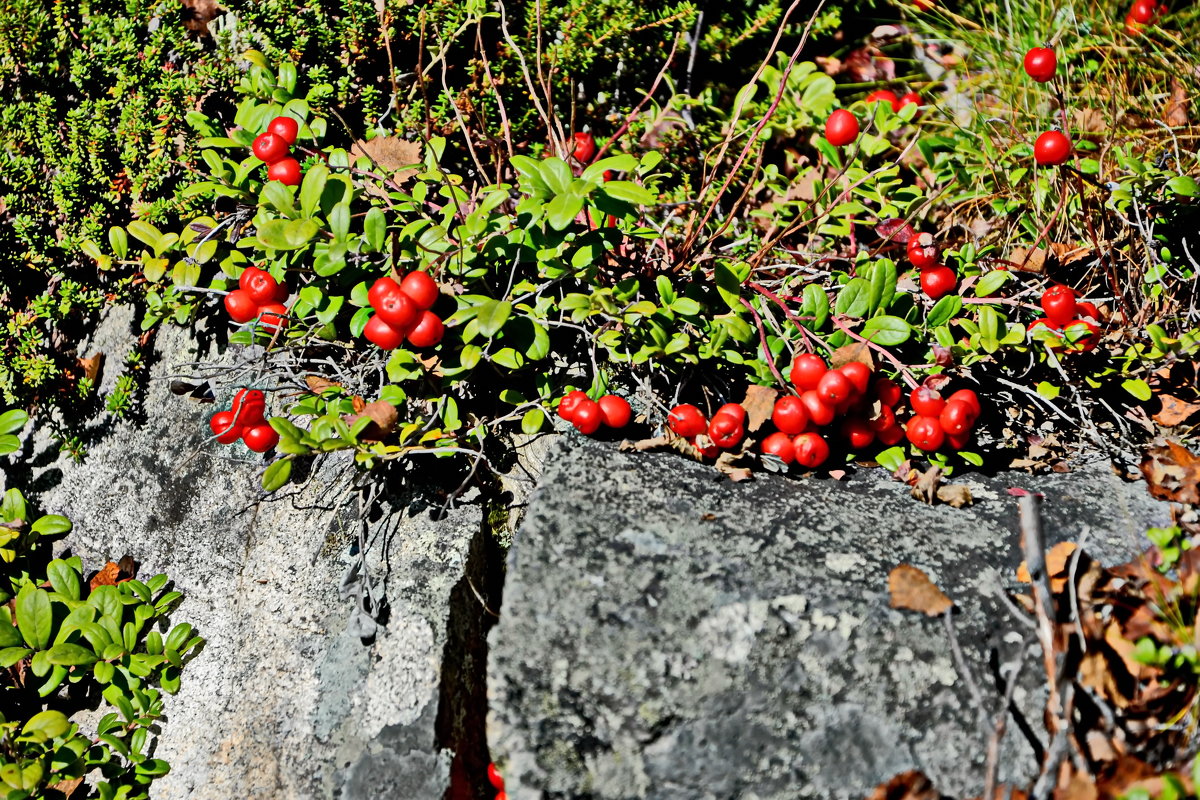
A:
{"points": [[668, 634], [285, 700]]}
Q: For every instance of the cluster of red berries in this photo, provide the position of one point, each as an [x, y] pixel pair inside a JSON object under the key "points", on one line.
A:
{"points": [[258, 296], [244, 420], [941, 420], [497, 782], [937, 280], [587, 415], [1141, 14], [274, 148], [889, 97], [402, 311], [1064, 310], [726, 429]]}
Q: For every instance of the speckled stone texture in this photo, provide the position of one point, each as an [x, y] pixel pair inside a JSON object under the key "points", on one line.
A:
{"points": [[285, 700], [668, 634]]}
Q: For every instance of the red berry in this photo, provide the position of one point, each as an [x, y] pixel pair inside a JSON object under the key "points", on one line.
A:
{"points": [[1051, 148], [1059, 304], [889, 436], [790, 416], [960, 442], [381, 334], [225, 427], [616, 411], [1084, 334], [501, 795], [428, 331], [584, 148], [926, 402], [588, 417], [269, 148], [494, 777], [381, 289], [260, 438], [1132, 26], [285, 128], [1087, 311], [883, 96], [260, 286], [925, 432], [924, 5], [922, 251], [398, 311], [910, 99], [818, 412], [248, 407], [811, 450], [1143, 11], [241, 306], [570, 401], [726, 430], [281, 294], [422, 289], [272, 317], [1040, 63], [938, 281], [807, 370], [733, 410], [887, 391], [885, 420], [841, 128], [969, 397], [859, 375], [249, 274], [858, 432], [286, 171], [687, 421], [608, 175], [957, 417], [834, 388], [780, 444]]}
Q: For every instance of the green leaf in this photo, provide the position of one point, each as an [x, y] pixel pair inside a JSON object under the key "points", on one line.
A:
{"points": [[375, 229], [989, 284], [1184, 186], [287, 234], [883, 285], [63, 578], [9, 444], [891, 459], [556, 174], [277, 474], [22, 778], [815, 305], [971, 458], [854, 300], [619, 163], [70, 655], [492, 315], [13, 420], [944, 310], [35, 618], [562, 210], [729, 285], [1048, 390], [11, 655], [12, 506], [629, 192], [886, 330], [50, 724], [533, 421], [51, 525], [145, 232], [1138, 388], [279, 197]]}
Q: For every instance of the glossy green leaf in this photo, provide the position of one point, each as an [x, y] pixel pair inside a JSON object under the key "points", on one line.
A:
{"points": [[886, 330], [287, 234], [13, 420], [35, 618]]}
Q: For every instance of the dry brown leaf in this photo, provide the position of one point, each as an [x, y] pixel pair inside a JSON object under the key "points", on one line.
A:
{"points": [[383, 416], [1089, 120], [925, 484], [1058, 558], [726, 463], [912, 589], [196, 15], [317, 384], [1176, 112], [955, 495], [855, 351], [1172, 473], [67, 787], [114, 572], [358, 404], [390, 153], [759, 403], [911, 785], [1174, 411], [1080, 787], [91, 366]]}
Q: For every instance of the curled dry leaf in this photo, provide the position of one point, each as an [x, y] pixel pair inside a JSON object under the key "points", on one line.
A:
{"points": [[390, 153], [1172, 473], [358, 404], [759, 403], [383, 416], [114, 572], [1058, 559], [1174, 411], [91, 366], [317, 383], [727, 464], [910, 588]]}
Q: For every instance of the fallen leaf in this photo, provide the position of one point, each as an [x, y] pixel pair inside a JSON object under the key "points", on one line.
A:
{"points": [[67, 787], [1057, 559], [726, 463], [196, 14], [925, 484], [390, 153], [358, 404], [759, 404], [114, 572], [1175, 113], [1174, 411], [317, 384], [383, 416], [1090, 120], [955, 495], [855, 351], [91, 366], [1172, 473], [896, 230], [911, 588], [911, 785]]}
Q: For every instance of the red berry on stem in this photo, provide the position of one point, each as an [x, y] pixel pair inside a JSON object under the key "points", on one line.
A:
{"points": [[585, 147], [260, 286], [281, 294], [938, 281], [841, 128], [922, 251], [248, 407], [859, 374], [910, 99], [1059, 304], [260, 438], [811, 450], [1143, 11], [1040, 63], [616, 411], [957, 417], [807, 370], [790, 415], [888, 392], [428, 331], [570, 401], [890, 436], [733, 410], [726, 430], [1087, 311], [686, 420], [381, 334], [834, 387], [925, 432], [1132, 26], [780, 444], [286, 171], [286, 128], [272, 317], [1051, 148], [269, 148], [241, 306], [819, 412], [588, 417], [225, 426], [422, 289], [381, 289], [883, 96], [960, 442], [926, 402], [886, 419], [248, 275], [858, 432], [398, 311]]}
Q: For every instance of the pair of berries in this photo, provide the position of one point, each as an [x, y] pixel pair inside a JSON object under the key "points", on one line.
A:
{"points": [[806, 449], [841, 128], [937, 280], [1142, 13], [726, 429], [497, 782], [1052, 147], [587, 415], [938, 420], [244, 420], [1064, 311], [258, 296], [584, 149], [274, 148], [889, 97], [402, 311]]}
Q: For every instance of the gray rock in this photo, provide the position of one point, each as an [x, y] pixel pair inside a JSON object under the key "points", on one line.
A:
{"points": [[669, 634], [285, 700]]}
